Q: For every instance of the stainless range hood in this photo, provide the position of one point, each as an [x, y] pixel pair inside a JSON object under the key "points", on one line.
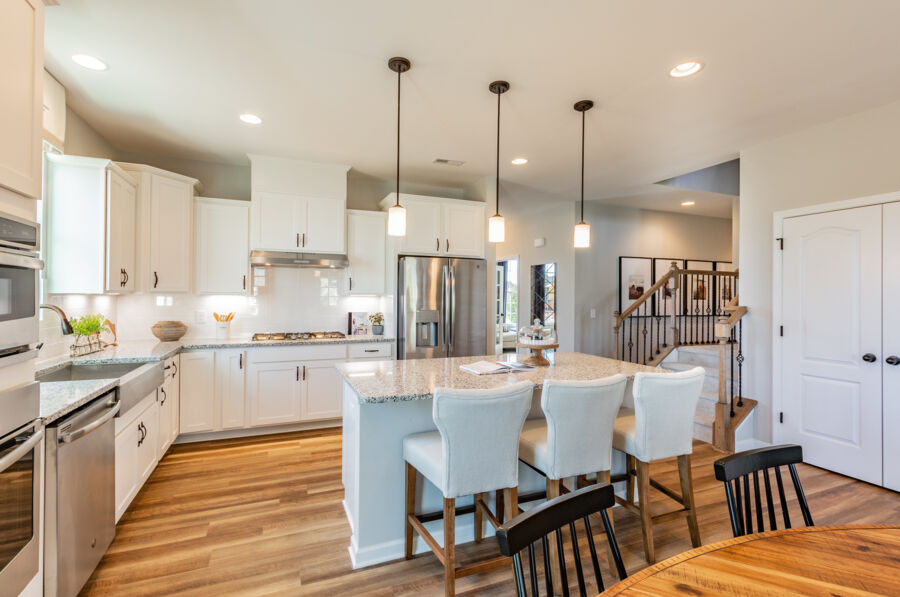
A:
{"points": [[287, 259]]}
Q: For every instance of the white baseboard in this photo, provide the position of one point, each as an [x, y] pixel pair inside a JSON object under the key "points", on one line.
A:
{"points": [[187, 438]]}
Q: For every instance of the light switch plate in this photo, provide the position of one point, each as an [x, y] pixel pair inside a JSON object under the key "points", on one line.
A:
{"points": [[200, 316]]}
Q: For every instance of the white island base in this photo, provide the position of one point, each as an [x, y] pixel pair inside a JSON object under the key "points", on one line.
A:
{"points": [[373, 430]]}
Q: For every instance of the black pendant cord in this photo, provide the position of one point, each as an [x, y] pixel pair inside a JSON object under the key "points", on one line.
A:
{"points": [[582, 167], [399, 74], [497, 181]]}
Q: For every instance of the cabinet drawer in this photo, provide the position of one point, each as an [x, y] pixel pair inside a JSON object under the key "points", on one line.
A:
{"points": [[381, 350], [279, 354]]}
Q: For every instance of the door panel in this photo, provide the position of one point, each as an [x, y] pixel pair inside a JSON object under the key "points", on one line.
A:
{"points": [[170, 235], [277, 221], [421, 307], [464, 229], [831, 301], [222, 247], [468, 308], [322, 392], [324, 226], [424, 234], [891, 395], [120, 224], [230, 388], [274, 393]]}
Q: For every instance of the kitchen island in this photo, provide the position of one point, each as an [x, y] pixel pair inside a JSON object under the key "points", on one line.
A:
{"points": [[384, 401]]}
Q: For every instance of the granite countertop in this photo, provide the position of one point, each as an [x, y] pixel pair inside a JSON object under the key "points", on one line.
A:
{"points": [[416, 379], [59, 398], [131, 351], [245, 342]]}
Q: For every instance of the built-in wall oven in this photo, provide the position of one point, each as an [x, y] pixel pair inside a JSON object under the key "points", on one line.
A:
{"points": [[19, 290], [21, 449]]}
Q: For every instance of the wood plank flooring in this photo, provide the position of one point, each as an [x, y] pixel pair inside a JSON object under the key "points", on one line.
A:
{"points": [[263, 516]]}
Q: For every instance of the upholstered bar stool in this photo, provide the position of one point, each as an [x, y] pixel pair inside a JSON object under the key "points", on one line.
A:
{"points": [[575, 437], [474, 451], [660, 426]]}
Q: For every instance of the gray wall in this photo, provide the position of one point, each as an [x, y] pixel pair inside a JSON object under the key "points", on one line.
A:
{"points": [[851, 157], [623, 231]]}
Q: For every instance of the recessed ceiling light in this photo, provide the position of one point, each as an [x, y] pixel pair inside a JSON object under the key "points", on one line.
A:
{"points": [[688, 203], [251, 119], [686, 69], [520, 161], [89, 62]]}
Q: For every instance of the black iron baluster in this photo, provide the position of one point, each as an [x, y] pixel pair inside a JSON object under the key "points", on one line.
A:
{"points": [[731, 375], [740, 361], [644, 334]]}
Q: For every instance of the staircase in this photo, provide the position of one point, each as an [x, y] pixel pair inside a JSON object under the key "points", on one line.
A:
{"points": [[691, 318], [706, 356]]}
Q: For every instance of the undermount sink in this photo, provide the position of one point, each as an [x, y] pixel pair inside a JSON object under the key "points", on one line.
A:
{"points": [[131, 390], [81, 372]]}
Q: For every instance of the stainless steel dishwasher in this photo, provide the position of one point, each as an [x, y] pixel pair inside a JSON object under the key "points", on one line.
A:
{"points": [[80, 498]]}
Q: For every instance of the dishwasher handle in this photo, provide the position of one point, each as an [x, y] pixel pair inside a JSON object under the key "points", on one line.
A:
{"points": [[20, 451], [71, 436]]}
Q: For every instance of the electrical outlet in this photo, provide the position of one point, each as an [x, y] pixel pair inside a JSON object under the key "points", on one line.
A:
{"points": [[593, 313], [200, 316]]}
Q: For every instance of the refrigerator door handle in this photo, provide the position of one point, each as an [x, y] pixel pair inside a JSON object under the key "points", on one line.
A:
{"points": [[445, 287], [451, 310]]}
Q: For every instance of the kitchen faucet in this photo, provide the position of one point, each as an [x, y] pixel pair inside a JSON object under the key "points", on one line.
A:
{"points": [[64, 321]]}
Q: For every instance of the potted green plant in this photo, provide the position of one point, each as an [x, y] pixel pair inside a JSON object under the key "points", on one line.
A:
{"points": [[377, 321], [87, 332]]}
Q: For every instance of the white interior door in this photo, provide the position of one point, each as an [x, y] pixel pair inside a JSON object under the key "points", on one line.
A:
{"points": [[891, 343], [831, 304]]}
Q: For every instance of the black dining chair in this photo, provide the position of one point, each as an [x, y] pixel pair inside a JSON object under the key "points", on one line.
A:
{"points": [[522, 532], [736, 470]]}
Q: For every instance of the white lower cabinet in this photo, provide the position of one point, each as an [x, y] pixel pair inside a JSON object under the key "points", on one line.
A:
{"points": [[137, 437], [321, 395], [197, 408], [230, 388], [168, 398], [274, 392]]}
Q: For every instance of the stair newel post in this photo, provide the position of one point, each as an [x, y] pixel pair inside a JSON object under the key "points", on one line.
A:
{"points": [[720, 426], [676, 286], [616, 329]]}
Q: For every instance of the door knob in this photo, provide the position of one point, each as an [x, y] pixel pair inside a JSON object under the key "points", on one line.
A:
{"points": [[869, 357], [892, 360]]}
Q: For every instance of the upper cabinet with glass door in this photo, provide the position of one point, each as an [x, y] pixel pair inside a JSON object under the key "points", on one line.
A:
{"points": [[439, 226], [22, 65], [89, 226], [297, 206]]}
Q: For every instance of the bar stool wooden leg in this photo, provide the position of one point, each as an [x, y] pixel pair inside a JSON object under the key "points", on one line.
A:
{"points": [[643, 487], [449, 546], [410, 507], [629, 483], [687, 494], [479, 518], [553, 491], [501, 509]]}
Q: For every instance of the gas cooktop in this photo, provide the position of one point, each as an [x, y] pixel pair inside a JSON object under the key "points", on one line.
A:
{"points": [[271, 336]]}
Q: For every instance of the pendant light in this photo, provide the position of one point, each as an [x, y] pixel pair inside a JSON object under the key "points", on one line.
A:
{"points": [[582, 236], [397, 213], [496, 225]]}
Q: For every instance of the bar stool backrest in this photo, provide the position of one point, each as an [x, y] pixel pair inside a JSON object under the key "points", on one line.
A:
{"points": [[664, 405], [580, 419], [480, 436]]}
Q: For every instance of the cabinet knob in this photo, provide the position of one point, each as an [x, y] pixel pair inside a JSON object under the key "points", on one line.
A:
{"points": [[892, 360], [869, 357]]}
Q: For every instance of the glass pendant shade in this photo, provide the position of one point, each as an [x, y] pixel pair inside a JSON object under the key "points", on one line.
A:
{"points": [[496, 229], [397, 221], [582, 235]]}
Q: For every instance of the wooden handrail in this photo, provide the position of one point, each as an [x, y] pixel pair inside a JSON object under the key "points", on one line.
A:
{"points": [[645, 297]]}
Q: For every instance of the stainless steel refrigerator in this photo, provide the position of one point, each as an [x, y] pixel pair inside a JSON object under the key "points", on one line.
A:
{"points": [[441, 307]]}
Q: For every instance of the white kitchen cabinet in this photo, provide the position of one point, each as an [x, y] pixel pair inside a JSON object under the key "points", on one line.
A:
{"points": [[223, 245], [440, 226], [168, 397], [274, 392], [366, 252], [22, 65], [136, 445], [464, 224], [283, 222], [322, 391], [230, 388], [165, 239], [197, 411], [89, 226]]}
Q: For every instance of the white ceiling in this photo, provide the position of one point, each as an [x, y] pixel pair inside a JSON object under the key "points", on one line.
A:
{"points": [[180, 72]]}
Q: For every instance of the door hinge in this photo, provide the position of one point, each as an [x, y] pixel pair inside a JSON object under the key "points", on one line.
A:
{"points": [[781, 330], [780, 243], [781, 417]]}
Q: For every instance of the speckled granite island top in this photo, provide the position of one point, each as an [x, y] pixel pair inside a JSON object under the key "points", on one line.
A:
{"points": [[207, 344], [416, 379], [59, 398]]}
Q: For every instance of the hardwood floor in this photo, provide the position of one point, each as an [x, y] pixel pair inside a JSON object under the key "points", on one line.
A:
{"points": [[263, 516]]}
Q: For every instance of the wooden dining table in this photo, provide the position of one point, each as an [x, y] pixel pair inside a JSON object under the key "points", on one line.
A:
{"points": [[829, 560]]}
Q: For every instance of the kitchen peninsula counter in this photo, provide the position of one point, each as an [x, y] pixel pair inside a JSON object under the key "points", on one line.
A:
{"points": [[384, 401]]}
